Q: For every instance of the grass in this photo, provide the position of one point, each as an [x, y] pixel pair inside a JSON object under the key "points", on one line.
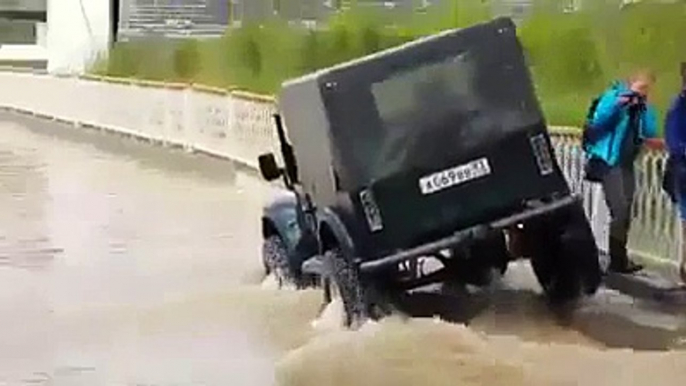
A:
{"points": [[572, 56]]}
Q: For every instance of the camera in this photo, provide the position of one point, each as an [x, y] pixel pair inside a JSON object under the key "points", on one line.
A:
{"points": [[634, 98]]}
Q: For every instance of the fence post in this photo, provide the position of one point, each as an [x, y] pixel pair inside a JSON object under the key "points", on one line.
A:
{"points": [[232, 122], [188, 120]]}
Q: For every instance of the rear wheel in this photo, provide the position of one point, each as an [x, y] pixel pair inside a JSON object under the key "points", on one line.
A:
{"points": [[360, 299], [565, 256]]}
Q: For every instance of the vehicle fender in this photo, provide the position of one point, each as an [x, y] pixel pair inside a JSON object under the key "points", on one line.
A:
{"points": [[279, 217], [333, 231]]}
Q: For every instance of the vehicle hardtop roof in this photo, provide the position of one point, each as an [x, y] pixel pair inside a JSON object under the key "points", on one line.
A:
{"points": [[500, 22], [341, 152]]}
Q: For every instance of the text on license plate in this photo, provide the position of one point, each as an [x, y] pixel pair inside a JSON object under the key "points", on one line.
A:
{"points": [[454, 176]]}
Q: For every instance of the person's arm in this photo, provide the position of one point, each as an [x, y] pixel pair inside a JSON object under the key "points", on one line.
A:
{"points": [[608, 110]]}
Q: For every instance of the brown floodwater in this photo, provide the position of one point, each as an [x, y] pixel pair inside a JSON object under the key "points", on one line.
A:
{"points": [[124, 264]]}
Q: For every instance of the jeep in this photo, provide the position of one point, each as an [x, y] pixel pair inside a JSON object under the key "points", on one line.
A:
{"points": [[437, 150]]}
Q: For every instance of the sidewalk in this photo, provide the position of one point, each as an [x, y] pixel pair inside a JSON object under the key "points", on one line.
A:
{"points": [[656, 282]]}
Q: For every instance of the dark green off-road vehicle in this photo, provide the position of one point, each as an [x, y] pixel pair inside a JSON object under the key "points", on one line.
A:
{"points": [[434, 149]]}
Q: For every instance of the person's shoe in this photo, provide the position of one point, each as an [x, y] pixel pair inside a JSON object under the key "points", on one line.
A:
{"points": [[619, 259], [629, 268]]}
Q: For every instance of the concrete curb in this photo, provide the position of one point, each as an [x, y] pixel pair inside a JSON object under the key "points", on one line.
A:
{"points": [[657, 282], [653, 284], [648, 286]]}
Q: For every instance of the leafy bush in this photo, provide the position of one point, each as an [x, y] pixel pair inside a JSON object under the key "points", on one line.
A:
{"points": [[187, 62]]}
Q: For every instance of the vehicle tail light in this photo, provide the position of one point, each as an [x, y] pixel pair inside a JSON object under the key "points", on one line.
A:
{"points": [[544, 157], [371, 210]]}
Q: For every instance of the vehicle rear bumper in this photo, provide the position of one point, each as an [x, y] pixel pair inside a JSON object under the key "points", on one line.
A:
{"points": [[473, 233]]}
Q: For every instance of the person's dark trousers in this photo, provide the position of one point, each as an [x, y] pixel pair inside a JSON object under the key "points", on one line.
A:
{"points": [[619, 186]]}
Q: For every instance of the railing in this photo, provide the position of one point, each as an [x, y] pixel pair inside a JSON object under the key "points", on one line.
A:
{"points": [[238, 126], [224, 123], [655, 230]]}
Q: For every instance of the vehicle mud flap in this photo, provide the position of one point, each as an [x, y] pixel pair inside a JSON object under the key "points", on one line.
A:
{"points": [[565, 257]]}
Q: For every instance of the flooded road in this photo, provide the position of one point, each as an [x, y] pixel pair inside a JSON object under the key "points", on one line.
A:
{"points": [[123, 264]]}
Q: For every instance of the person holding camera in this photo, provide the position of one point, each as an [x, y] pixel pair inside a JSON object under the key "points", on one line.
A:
{"points": [[675, 173], [622, 120]]}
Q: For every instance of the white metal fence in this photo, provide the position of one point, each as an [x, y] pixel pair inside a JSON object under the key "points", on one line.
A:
{"points": [[655, 230], [227, 124], [238, 126]]}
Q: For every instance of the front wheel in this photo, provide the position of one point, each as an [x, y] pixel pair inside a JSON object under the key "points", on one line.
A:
{"points": [[276, 261]]}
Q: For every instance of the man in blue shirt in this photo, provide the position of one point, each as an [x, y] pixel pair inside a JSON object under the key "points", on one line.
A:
{"points": [[622, 120], [675, 139]]}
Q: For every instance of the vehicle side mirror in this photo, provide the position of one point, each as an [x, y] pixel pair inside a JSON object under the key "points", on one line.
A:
{"points": [[268, 168]]}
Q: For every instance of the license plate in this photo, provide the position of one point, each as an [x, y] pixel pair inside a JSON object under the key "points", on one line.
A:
{"points": [[454, 176]]}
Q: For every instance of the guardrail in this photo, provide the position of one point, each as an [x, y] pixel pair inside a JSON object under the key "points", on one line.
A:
{"points": [[231, 124], [238, 126], [655, 230]]}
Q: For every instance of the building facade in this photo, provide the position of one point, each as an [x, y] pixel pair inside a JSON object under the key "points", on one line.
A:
{"points": [[173, 18], [23, 33]]}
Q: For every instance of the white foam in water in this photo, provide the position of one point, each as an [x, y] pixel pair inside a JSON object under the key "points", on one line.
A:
{"points": [[371, 327], [271, 283], [331, 318]]}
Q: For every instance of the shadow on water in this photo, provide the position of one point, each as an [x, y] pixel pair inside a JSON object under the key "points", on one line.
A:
{"points": [[140, 152]]}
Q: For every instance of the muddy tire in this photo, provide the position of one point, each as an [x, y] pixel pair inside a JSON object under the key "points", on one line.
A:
{"points": [[276, 260], [344, 282], [565, 258], [481, 261], [361, 300]]}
